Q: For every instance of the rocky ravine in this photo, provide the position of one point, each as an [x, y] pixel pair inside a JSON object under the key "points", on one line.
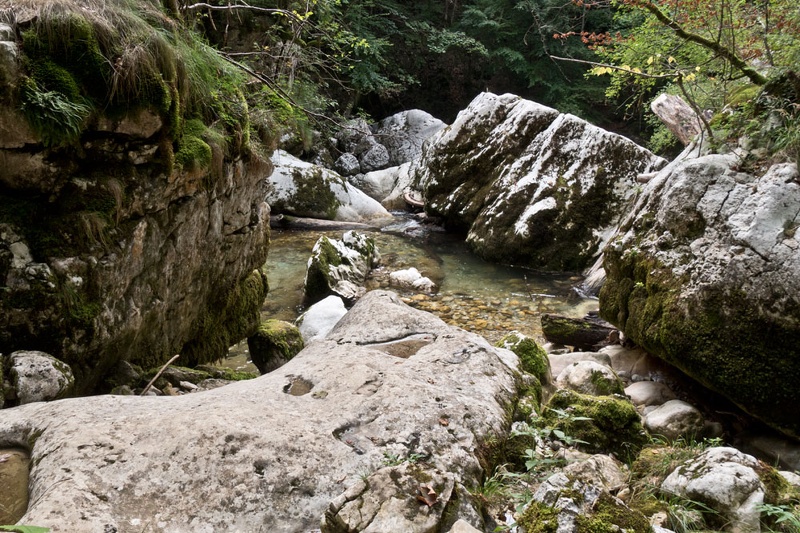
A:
{"points": [[281, 452]]}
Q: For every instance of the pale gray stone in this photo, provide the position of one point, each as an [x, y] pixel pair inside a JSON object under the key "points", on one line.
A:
{"points": [[404, 133], [589, 377], [288, 186], [411, 278], [646, 393], [601, 471], [675, 419], [560, 361], [277, 452], [508, 169], [725, 479], [320, 318], [39, 377]]}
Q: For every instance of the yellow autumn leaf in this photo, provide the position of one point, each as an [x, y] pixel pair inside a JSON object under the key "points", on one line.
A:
{"points": [[670, 59], [650, 60]]}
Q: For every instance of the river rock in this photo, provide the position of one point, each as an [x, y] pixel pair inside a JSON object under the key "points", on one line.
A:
{"points": [[39, 377], [374, 158], [411, 278], [303, 189], [705, 274], [647, 393], [340, 267], [675, 419], [274, 344], [601, 471], [529, 185], [404, 133], [279, 452], [560, 361], [589, 377], [347, 164], [726, 480], [320, 318]]}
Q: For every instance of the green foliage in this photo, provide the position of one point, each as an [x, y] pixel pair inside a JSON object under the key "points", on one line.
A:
{"points": [[781, 518], [51, 114], [25, 529]]}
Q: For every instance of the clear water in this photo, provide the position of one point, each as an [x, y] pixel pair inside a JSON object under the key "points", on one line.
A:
{"points": [[482, 297]]}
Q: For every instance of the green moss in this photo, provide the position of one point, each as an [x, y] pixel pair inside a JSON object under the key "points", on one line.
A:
{"points": [[533, 359], [318, 283], [228, 318], [605, 386], [194, 154], [313, 195], [613, 426], [539, 518], [275, 343], [723, 339], [610, 516]]}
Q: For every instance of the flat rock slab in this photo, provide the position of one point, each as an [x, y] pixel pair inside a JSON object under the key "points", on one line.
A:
{"points": [[272, 453]]}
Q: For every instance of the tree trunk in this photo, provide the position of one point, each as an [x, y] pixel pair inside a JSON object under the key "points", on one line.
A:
{"points": [[678, 117]]}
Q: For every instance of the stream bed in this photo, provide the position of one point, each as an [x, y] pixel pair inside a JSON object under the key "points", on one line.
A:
{"points": [[485, 298]]}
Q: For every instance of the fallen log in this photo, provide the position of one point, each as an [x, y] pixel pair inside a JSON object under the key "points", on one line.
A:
{"points": [[584, 334]]}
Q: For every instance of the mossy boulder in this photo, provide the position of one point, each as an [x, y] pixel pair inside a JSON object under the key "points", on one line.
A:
{"points": [[532, 357], [613, 425], [275, 343], [706, 274], [303, 189], [340, 267], [529, 186]]}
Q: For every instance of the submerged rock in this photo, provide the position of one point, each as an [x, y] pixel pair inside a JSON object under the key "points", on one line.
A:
{"points": [[531, 186], [275, 453], [705, 274]]}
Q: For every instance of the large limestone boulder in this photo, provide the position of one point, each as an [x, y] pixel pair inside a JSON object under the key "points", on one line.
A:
{"points": [[279, 452], [404, 133], [705, 274], [306, 190], [530, 185]]}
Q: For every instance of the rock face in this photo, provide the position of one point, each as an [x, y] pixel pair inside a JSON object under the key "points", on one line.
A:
{"points": [[335, 412], [529, 185], [706, 275], [127, 242], [307, 190]]}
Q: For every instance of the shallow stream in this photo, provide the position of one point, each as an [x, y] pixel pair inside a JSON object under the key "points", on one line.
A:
{"points": [[488, 299]]}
